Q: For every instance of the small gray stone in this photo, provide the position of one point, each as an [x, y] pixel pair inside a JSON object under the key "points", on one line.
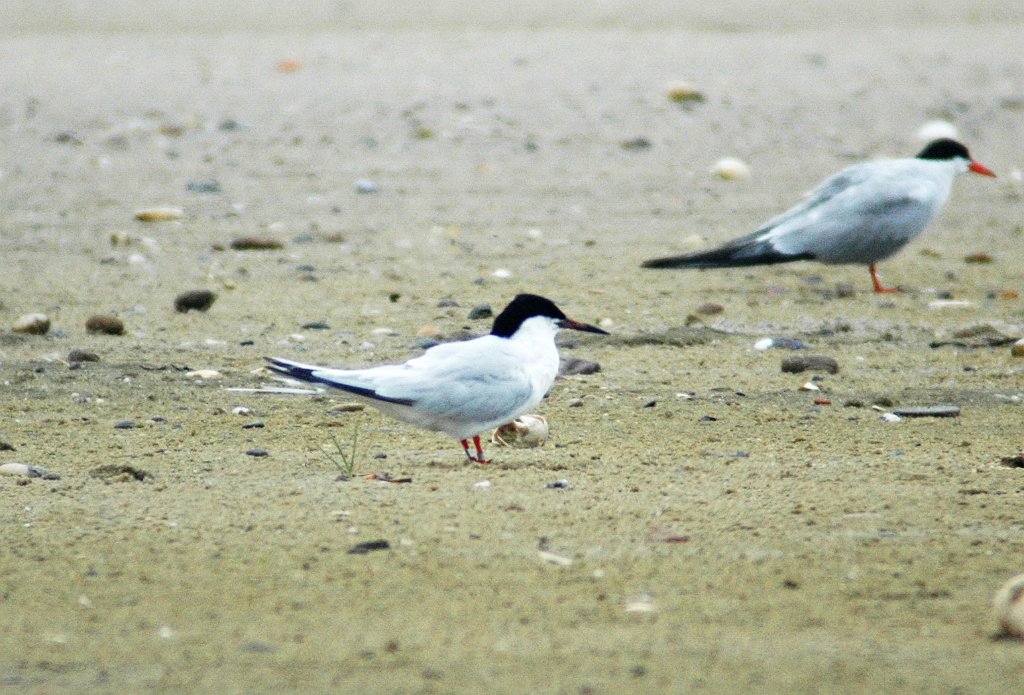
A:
{"points": [[257, 452], [124, 424], [481, 311], [573, 366], [929, 411]]}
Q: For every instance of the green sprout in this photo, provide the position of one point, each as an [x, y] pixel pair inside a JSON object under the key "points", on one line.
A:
{"points": [[344, 459]]}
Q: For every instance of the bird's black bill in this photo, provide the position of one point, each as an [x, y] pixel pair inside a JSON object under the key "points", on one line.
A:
{"points": [[580, 326]]}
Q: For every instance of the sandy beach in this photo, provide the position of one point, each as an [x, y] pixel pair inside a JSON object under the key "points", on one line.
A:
{"points": [[713, 528]]}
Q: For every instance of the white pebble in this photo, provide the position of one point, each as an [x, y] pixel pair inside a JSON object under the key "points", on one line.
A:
{"points": [[481, 484], [35, 324], [296, 338], [165, 632], [606, 323], [502, 273], [949, 304], [1009, 606], [205, 374], [1017, 349], [21, 469], [731, 169], [936, 130], [810, 386], [890, 417], [764, 343], [554, 559], [241, 410]]}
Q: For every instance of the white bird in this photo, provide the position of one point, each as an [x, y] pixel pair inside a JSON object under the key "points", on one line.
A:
{"points": [[462, 388], [863, 214]]}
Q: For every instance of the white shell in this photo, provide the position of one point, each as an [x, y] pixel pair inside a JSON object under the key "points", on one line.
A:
{"points": [[764, 343], [1009, 606], [159, 214], [890, 417], [525, 432], [205, 374], [731, 169], [810, 386], [1017, 349]]}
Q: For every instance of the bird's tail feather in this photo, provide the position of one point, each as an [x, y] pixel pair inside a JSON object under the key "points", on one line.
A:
{"points": [[728, 256], [322, 375]]}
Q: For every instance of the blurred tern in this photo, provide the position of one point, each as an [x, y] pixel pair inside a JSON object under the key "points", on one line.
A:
{"points": [[462, 388], [863, 214]]}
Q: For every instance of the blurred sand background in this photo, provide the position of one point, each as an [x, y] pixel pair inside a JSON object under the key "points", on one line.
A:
{"points": [[721, 532]]}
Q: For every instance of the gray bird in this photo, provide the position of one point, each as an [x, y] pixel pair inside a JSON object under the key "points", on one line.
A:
{"points": [[863, 214]]}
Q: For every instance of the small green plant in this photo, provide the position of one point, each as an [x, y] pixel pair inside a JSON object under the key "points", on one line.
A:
{"points": [[344, 459]]}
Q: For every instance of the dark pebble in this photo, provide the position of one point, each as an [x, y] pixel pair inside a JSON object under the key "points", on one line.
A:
{"points": [[816, 363], [710, 309], [316, 326], [251, 243], [651, 403], [1016, 461], [574, 365], [257, 452], [202, 187], [124, 424], [445, 303], [368, 546], [557, 485], [929, 411], [708, 418], [108, 325], [199, 300], [253, 426], [480, 311], [83, 356], [425, 343], [789, 344], [640, 143], [306, 268]]}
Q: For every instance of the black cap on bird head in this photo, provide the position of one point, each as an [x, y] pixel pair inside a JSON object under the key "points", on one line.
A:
{"points": [[526, 306], [944, 149]]}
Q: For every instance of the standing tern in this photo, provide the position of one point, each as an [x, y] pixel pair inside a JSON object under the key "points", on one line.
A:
{"points": [[463, 388], [863, 214]]}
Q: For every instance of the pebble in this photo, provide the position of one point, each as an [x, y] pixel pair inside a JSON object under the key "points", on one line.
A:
{"points": [[33, 324], [253, 426], [889, 417], [480, 311], [316, 326], [159, 214], [482, 485], [526, 432], [205, 374], [502, 273], [252, 243], [366, 186], [27, 471], [198, 300], [681, 92], [710, 309], [257, 452], [348, 408], [77, 355], [124, 425], [561, 484], [950, 304], [1008, 605], [446, 303], [731, 169], [368, 546], [573, 366], [816, 363], [928, 411], [979, 257], [1017, 349], [203, 187], [635, 144], [810, 386], [640, 604], [241, 410], [1015, 461], [781, 343], [429, 332], [108, 325]]}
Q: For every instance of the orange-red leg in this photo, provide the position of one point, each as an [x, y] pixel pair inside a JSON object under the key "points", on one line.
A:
{"points": [[479, 458], [879, 287]]}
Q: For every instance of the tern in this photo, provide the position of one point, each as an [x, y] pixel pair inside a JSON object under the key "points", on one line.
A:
{"points": [[863, 214], [464, 388]]}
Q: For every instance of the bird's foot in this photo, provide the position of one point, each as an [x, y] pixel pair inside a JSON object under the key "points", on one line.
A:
{"points": [[879, 287], [479, 458]]}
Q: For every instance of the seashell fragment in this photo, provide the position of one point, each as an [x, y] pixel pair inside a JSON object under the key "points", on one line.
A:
{"points": [[525, 432], [205, 374], [731, 169], [33, 324], [1009, 607], [159, 214]]}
